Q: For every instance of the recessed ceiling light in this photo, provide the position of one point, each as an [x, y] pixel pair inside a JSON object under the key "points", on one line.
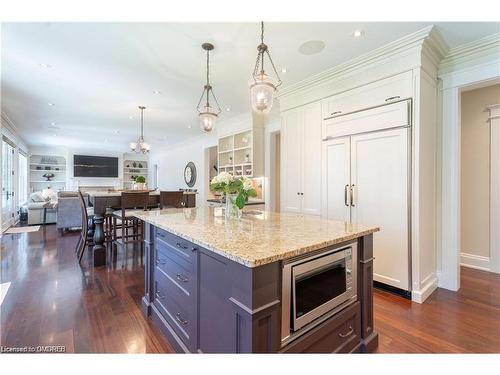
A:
{"points": [[189, 126], [131, 117], [358, 33], [156, 92], [52, 123], [228, 109], [117, 132], [51, 104], [283, 70], [54, 135], [43, 65], [312, 47]]}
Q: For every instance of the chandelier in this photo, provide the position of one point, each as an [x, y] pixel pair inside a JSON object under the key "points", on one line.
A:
{"points": [[208, 114], [140, 146], [262, 87]]}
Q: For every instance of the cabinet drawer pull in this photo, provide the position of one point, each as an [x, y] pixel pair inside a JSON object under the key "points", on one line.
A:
{"points": [[180, 320], [352, 195], [159, 296], [181, 278], [348, 333], [345, 196], [181, 246], [160, 262], [335, 113], [392, 98]]}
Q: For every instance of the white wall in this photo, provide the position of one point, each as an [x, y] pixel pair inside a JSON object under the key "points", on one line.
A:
{"points": [[73, 183], [475, 174]]}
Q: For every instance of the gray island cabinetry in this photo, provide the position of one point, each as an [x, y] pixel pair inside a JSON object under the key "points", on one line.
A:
{"points": [[269, 283]]}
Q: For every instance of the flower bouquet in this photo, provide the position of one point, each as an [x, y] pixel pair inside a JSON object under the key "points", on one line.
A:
{"points": [[236, 190]]}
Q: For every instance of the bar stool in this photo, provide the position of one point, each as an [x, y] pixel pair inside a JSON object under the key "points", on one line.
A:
{"points": [[129, 201]]}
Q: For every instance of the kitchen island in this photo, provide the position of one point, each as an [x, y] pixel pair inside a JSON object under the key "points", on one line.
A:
{"points": [[219, 286]]}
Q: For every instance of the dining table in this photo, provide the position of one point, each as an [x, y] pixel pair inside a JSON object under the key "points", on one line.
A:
{"points": [[102, 201]]}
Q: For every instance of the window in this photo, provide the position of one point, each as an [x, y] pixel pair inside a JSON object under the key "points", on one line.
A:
{"points": [[23, 179]]}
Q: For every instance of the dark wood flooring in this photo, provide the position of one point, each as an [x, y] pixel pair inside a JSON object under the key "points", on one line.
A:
{"points": [[54, 301]]}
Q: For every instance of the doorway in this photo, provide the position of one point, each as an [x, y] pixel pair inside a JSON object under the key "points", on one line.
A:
{"points": [[476, 148], [8, 202]]}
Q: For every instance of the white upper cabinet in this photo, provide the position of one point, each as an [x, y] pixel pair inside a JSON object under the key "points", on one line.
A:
{"points": [[380, 92], [301, 159]]}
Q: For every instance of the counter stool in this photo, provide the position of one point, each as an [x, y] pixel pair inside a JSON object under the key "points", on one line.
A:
{"points": [[130, 201]]}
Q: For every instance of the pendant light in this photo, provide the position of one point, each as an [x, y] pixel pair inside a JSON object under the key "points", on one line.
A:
{"points": [[262, 87], [208, 114], [140, 146]]}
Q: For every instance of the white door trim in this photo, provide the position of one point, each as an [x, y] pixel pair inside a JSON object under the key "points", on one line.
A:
{"points": [[453, 83], [494, 123]]}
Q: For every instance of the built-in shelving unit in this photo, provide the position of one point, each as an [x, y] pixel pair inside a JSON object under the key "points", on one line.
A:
{"points": [[133, 168], [40, 165], [241, 153]]}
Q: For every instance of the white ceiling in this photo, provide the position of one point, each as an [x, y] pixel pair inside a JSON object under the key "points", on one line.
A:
{"points": [[100, 72]]}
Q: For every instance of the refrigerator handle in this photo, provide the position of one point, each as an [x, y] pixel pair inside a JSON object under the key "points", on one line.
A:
{"points": [[345, 196]]}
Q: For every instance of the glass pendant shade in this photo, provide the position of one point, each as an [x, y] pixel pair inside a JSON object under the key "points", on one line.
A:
{"points": [[262, 91], [208, 119], [140, 145], [262, 88]]}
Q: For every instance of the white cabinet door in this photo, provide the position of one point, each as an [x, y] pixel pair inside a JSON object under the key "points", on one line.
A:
{"points": [[291, 161], [379, 175], [336, 179], [311, 159]]}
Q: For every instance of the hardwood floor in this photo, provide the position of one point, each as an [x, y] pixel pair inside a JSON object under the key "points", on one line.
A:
{"points": [[467, 321], [53, 301]]}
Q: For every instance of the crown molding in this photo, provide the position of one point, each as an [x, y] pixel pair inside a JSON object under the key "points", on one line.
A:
{"points": [[13, 131], [459, 56], [435, 47]]}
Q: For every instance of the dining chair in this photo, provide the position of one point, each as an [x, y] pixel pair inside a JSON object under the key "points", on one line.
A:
{"points": [[85, 239], [130, 201], [171, 199]]}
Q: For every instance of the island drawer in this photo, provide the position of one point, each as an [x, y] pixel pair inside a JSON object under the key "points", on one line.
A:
{"points": [[339, 334], [180, 272], [180, 246], [175, 306]]}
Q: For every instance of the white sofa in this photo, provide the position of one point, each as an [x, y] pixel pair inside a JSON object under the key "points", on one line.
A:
{"points": [[36, 205]]}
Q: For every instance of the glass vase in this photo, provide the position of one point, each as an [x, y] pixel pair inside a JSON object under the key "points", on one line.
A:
{"points": [[232, 210]]}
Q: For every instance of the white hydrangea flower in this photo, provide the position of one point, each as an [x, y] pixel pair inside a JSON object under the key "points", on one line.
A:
{"points": [[247, 184], [223, 177]]}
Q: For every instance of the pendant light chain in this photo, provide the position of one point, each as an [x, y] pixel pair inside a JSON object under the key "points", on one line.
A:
{"points": [[263, 49], [142, 123], [208, 76]]}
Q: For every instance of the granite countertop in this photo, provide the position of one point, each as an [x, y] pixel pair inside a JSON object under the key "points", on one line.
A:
{"points": [[260, 237], [249, 203]]}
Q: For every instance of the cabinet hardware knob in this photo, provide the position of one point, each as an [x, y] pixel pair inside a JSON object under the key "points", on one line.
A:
{"points": [[181, 278], [194, 249], [392, 98], [348, 333], [180, 320], [181, 246]]}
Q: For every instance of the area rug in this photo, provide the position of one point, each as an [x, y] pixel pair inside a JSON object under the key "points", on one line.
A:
{"points": [[4, 287], [15, 230]]}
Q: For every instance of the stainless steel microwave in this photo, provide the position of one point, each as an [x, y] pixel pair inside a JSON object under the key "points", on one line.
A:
{"points": [[317, 286]]}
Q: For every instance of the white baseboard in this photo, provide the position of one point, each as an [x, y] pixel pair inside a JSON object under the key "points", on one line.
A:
{"points": [[475, 261], [430, 284]]}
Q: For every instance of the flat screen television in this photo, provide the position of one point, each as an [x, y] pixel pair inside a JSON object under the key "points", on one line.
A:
{"points": [[95, 166]]}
